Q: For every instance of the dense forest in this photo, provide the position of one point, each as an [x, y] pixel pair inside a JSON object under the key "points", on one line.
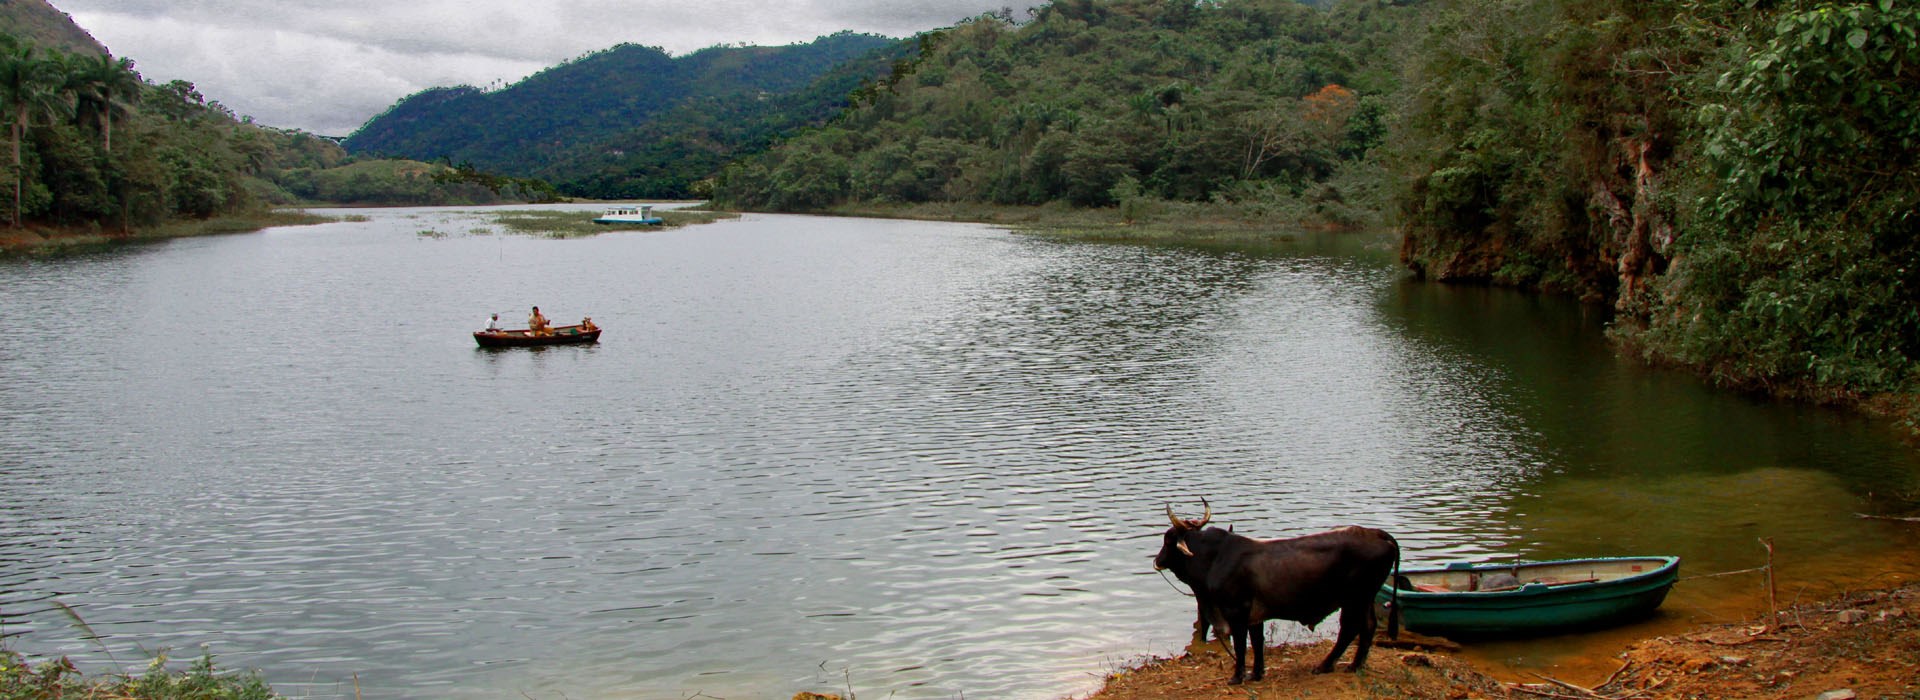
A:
{"points": [[1095, 103], [632, 121], [90, 143], [1736, 179]]}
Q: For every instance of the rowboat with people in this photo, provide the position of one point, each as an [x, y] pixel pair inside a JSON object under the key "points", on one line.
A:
{"points": [[523, 337]]}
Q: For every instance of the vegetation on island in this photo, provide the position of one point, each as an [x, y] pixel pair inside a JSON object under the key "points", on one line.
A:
{"points": [[575, 224]]}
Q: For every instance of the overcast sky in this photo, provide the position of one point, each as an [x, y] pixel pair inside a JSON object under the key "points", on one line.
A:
{"points": [[327, 66]]}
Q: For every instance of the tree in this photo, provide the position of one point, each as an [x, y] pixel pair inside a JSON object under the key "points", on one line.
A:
{"points": [[102, 85], [29, 87]]}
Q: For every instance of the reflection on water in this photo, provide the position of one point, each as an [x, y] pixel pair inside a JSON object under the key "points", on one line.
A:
{"points": [[917, 460]]}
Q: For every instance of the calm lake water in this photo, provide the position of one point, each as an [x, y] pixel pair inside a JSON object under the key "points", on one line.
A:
{"points": [[914, 460]]}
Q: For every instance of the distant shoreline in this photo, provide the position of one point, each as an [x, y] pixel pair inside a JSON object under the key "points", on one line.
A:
{"points": [[1157, 221], [39, 239]]}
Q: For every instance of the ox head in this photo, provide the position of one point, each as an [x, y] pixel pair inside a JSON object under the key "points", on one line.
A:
{"points": [[1173, 547]]}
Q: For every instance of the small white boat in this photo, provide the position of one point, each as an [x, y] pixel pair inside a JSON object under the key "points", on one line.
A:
{"points": [[642, 214]]}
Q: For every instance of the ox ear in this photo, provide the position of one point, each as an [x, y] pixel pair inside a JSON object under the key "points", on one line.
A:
{"points": [[1182, 544], [1229, 528]]}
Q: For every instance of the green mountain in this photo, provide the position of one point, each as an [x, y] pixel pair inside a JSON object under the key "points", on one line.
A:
{"points": [[629, 120], [46, 26]]}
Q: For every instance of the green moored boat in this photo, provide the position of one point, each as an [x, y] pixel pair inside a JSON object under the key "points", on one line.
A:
{"points": [[1529, 598]]}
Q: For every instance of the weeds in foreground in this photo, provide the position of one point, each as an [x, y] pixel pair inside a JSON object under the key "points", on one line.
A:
{"points": [[59, 678], [55, 679]]}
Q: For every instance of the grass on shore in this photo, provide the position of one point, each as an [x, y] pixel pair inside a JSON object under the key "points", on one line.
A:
{"points": [[59, 678]]}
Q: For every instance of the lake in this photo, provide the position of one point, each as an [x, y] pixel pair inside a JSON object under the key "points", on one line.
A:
{"points": [[907, 459]]}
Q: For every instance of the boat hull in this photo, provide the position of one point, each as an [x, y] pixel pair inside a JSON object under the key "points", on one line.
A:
{"points": [[1621, 590], [521, 338]]}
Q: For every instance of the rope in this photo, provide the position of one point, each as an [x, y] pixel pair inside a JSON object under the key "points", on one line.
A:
{"points": [[1724, 573], [1176, 589]]}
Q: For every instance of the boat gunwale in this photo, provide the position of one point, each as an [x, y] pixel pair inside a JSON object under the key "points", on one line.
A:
{"points": [[1668, 569], [524, 337]]}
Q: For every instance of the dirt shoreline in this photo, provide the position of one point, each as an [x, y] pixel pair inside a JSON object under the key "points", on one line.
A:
{"points": [[1862, 644]]}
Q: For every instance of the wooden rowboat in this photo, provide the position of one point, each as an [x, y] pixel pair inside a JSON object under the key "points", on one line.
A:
{"points": [[1527, 598], [517, 338]]}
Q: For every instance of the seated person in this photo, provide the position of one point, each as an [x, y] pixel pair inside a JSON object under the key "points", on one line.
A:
{"points": [[538, 323], [586, 325]]}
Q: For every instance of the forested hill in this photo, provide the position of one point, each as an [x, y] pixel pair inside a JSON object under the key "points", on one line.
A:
{"points": [[46, 26], [587, 119], [1265, 104]]}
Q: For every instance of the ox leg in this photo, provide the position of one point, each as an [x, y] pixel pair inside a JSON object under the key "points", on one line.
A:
{"points": [[1201, 623], [1259, 650], [1356, 622], [1239, 634], [1369, 620], [1347, 628]]}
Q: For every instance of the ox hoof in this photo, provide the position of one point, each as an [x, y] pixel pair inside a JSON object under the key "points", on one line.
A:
{"points": [[1322, 669], [1233, 681]]}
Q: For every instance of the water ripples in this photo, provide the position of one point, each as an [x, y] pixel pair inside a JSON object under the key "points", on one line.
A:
{"points": [[921, 460]]}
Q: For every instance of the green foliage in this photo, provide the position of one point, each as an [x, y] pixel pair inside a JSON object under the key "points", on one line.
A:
{"points": [[1741, 179], [1802, 263], [57, 678], [91, 144], [1188, 101]]}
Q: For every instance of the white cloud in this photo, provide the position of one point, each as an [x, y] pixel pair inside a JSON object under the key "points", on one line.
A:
{"points": [[288, 78], [327, 67]]}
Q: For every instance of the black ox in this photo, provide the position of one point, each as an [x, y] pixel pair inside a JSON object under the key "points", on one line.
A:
{"points": [[1242, 582]]}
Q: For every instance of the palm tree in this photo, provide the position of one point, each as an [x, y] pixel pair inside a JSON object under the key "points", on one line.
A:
{"points": [[29, 87], [102, 84]]}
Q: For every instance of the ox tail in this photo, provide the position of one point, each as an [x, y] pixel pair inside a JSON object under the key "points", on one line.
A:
{"points": [[1393, 606]]}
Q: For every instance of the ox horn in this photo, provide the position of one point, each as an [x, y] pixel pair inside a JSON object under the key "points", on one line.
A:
{"points": [[1175, 519], [1204, 519]]}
